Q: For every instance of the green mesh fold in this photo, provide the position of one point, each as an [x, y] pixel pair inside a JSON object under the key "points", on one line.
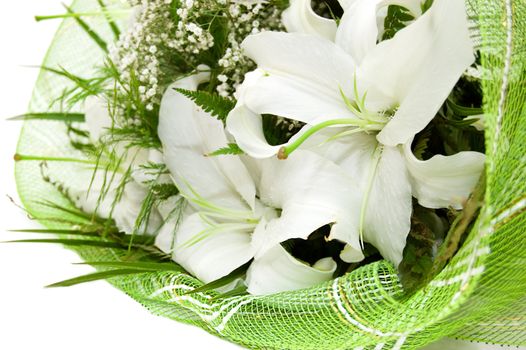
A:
{"points": [[479, 296]]}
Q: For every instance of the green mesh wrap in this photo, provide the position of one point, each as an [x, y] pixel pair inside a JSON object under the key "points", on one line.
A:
{"points": [[480, 296]]}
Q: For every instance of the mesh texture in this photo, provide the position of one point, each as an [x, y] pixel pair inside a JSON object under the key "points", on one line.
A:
{"points": [[479, 296]]}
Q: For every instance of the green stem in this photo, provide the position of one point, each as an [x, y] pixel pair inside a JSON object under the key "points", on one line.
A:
{"points": [[23, 157], [84, 14], [286, 151]]}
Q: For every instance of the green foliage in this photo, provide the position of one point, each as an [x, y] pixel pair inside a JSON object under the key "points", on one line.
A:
{"points": [[56, 116], [114, 28], [92, 34], [397, 18], [232, 149], [211, 103], [96, 276], [427, 232], [223, 281]]}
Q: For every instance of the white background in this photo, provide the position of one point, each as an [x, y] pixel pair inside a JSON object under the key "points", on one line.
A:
{"points": [[90, 316]]}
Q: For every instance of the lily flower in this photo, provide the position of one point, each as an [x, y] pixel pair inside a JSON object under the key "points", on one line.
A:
{"points": [[368, 111], [239, 211], [103, 195]]}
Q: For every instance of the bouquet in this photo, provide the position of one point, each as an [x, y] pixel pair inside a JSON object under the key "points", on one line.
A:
{"points": [[291, 174]]}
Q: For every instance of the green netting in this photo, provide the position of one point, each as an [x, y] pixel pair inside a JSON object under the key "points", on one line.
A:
{"points": [[480, 296]]}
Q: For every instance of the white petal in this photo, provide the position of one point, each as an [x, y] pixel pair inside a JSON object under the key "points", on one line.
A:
{"points": [[443, 181], [358, 29], [87, 198], [213, 257], [419, 67], [188, 134], [128, 209], [308, 59], [345, 4], [388, 214], [278, 271], [247, 128], [312, 192], [294, 98], [97, 117], [125, 212], [300, 17]]}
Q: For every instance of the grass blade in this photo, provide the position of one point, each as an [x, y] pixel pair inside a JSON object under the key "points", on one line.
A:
{"points": [[98, 40], [73, 242], [137, 265], [223, 281], [96, 276], [111, 22], [55, 116], [59, 232]]}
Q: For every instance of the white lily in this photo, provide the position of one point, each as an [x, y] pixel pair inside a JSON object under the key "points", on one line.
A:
{"points": [[360, 27], [235, 215], [123, 207], [374, 110]]}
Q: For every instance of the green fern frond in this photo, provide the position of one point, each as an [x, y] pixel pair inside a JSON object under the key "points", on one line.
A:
{"points": [[214, 104], [232, 149]]}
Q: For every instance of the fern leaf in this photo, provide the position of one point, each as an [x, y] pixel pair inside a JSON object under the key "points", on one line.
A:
{"points": [[232, 149], [214, 104]]}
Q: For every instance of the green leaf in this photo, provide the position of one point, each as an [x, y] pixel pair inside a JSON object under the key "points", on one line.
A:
{"points": [[96, 276], [63, 117], [92, 34], [397, 18], [233, 293], [232, 149], [58, 232], [109, 19], [214, 104], [148, 266], [463, 111], [223, 281], [73, 242]]}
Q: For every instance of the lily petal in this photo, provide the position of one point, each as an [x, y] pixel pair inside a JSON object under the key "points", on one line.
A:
{"points": [[441, 181], [97, 116], [128, 209], [278, 271], [308, 59], [312, 192], [247, 128], [419, 67], [300, 17], [389, 206], [294, 98], [188, 134], [214, 256], [358, 29]]}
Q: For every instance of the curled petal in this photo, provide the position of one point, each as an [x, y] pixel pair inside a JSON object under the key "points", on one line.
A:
{"points": [[300, 17], [441, 181], [278, 271]]}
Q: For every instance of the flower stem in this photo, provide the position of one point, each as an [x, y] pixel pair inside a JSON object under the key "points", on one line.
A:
{"points": [[286, 151], [21, 157]]}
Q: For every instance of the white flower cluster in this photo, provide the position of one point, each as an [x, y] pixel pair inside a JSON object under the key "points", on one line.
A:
{"points": [[168, 34], [247, 17], [139, 52]]}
